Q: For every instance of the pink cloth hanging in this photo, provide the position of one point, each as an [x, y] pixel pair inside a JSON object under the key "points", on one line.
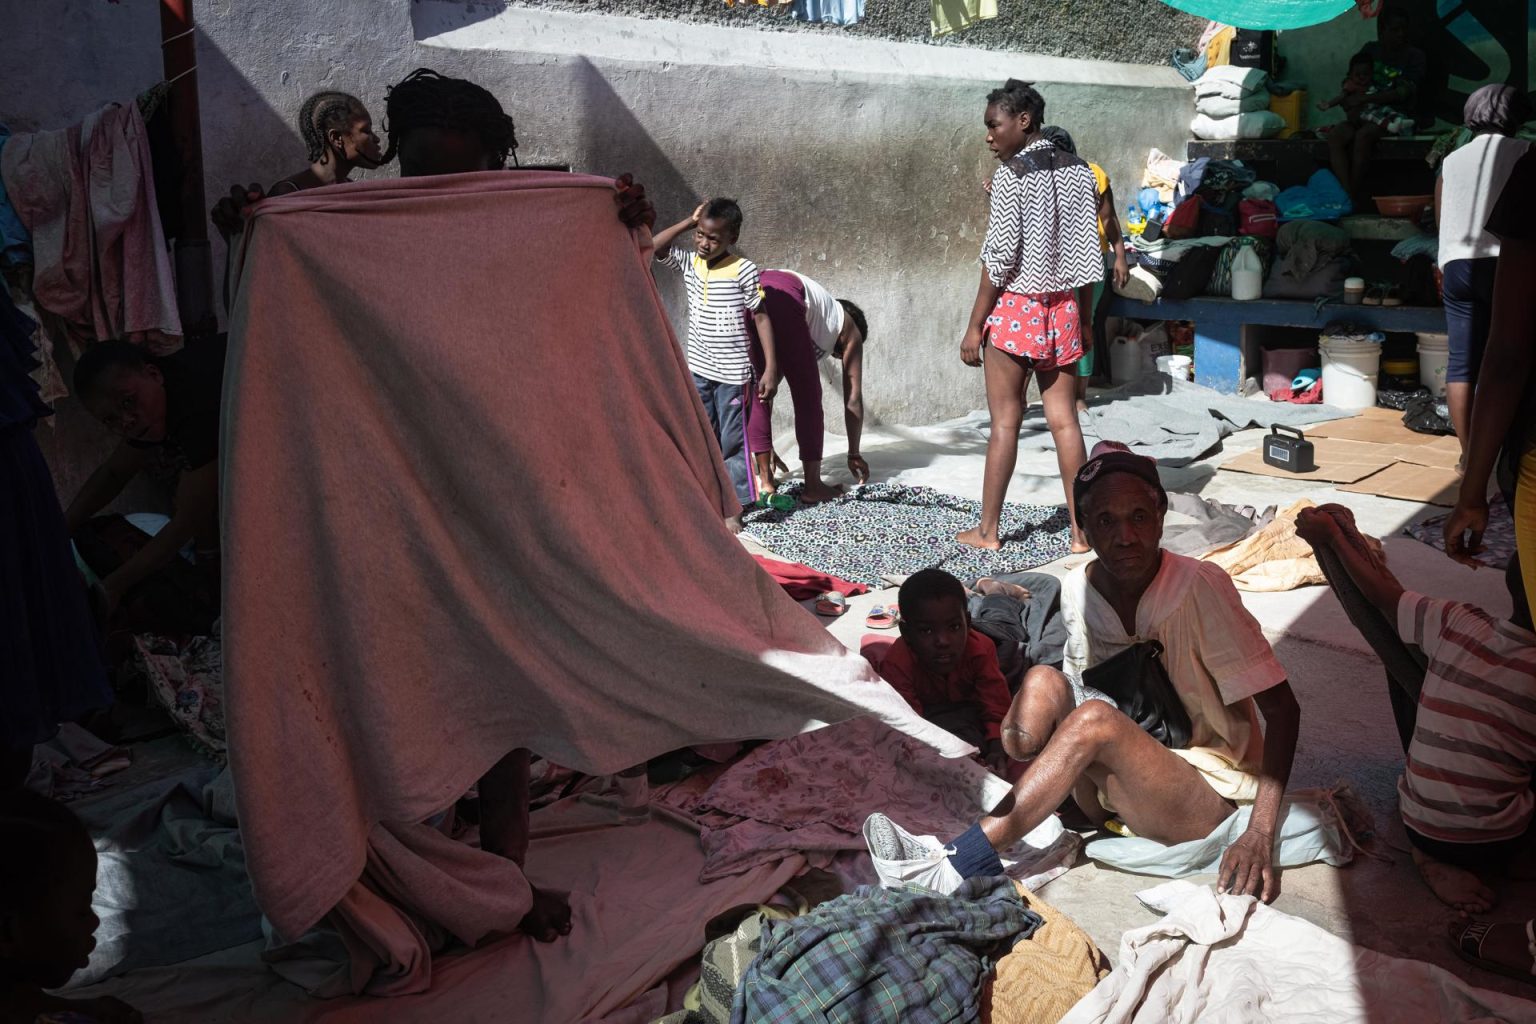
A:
{"points": [[87, 195]]}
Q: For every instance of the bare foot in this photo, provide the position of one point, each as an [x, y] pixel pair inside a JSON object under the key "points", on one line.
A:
{"points": [[733, 523], [1082, 406], [549, 918], [819, 491], [976, 539], [1080, 545], [1456, 887], [988, 585]]}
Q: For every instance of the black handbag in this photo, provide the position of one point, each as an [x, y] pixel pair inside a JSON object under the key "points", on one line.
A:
{"points": [[1137, 682]]}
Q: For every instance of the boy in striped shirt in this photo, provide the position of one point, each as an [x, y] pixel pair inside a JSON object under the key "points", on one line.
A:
{"points": [[1465, 794], [723, 291]]}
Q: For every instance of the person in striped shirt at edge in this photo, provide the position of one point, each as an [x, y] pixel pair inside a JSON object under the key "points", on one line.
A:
{"points": [[1042, 245], [723, 291], [1465, 793]]}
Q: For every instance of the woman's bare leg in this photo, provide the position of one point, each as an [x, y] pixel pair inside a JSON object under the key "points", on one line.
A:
{"points": [[1340, 148], [1058, 390], [504, 807], [1007, 379], [1458, 395]]}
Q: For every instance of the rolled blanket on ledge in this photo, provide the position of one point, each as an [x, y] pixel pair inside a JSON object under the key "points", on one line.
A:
{"points": [[1218, 106], [1259, 124]]}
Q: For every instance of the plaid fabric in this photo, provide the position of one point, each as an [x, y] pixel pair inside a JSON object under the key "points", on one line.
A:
{"points": [[884, 955]]}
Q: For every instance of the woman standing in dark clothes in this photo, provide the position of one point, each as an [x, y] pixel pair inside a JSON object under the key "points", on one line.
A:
{"points": [[50, 666]]}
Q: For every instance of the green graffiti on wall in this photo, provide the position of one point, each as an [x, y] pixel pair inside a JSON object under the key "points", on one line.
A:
{"points": [[1473, 42]]}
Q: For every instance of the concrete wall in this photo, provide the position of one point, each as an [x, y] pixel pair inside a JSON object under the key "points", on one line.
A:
{"points": [[1137, 31], [63, 59], [857, 161]]}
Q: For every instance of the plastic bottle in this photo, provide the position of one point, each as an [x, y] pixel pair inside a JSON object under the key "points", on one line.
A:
{"points": [[1247, 275]]}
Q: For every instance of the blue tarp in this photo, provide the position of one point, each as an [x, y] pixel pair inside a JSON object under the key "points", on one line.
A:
{"points": [[1265, 13]]}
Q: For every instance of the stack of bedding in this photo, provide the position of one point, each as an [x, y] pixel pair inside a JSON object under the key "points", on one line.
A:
{"points": [[1233, 103]]}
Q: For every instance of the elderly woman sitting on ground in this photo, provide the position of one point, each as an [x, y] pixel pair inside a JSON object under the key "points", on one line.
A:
{"points": [[1167, 636]]}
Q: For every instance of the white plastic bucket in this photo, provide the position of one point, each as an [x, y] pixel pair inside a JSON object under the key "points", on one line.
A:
{"points": [[1181, 367], [1128, 360], [1434, 355], [1350, 369]]}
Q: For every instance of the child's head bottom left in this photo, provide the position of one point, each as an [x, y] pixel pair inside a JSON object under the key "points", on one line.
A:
{"points": [[47, 879]]}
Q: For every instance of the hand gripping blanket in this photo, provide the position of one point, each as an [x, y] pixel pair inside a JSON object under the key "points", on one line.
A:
{"points": [[471, 503]]}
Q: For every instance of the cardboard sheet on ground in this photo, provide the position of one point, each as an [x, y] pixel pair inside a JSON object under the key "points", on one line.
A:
{"points": [[471, 504], [1408, 482], [1378, 425], [1338, 461], [638, 912], [1439, 453]]}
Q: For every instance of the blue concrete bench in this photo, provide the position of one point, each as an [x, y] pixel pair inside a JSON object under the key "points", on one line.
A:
{"points": [[1219, 326]]}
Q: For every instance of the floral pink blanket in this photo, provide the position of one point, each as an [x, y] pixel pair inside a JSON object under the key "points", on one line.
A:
{"points": [[811, 793]]}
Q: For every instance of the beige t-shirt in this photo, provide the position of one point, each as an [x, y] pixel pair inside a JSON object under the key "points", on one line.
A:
{"points": [[1214, 651]]}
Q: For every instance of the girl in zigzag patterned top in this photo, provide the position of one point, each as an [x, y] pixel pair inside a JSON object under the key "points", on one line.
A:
{"points": [[1042, 244]]}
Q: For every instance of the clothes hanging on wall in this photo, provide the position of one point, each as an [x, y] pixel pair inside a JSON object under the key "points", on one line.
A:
{"points": [[15, 239], [953, 15], [830, 12], [87, 195]]}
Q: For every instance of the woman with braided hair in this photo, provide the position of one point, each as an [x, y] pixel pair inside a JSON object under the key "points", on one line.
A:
{"points": [[338, 137], [436, 125]]}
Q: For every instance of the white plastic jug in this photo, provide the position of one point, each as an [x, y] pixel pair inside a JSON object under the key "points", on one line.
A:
{"points": [[1128, 360], [1247, 275]]}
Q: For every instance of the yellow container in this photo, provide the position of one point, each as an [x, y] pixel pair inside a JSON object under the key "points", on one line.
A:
{"points": [[1293, 109]]}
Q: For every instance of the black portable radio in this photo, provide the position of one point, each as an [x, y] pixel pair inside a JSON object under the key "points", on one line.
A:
{"points": [[1294, 454]]}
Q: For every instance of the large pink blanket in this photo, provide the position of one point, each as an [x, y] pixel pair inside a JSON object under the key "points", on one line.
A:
{"points": [[471, 503]]}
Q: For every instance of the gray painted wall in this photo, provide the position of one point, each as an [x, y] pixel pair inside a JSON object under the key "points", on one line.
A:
{"points": [[869, 182]]}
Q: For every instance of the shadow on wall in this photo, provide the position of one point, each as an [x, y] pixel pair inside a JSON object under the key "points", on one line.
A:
{"points": [[622, 143], [270, 145]]}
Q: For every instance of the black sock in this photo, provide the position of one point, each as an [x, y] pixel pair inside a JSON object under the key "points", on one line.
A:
{"points": [[974, 856]]}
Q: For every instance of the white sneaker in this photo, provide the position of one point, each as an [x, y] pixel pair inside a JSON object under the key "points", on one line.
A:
{"points": [[901, 858]]}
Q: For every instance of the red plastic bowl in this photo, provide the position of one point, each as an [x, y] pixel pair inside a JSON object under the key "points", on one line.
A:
{"points": [[1402, 206]]}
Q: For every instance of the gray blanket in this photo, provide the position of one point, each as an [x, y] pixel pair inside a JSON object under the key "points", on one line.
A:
{"points": [[170, 881], [1174, 421]]}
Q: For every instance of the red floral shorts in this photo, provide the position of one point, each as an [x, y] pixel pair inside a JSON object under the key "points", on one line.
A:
{"points": [[1045, 329]]}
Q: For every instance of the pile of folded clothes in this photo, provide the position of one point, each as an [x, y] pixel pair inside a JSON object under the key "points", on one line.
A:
{"points": [[1232, 102]]}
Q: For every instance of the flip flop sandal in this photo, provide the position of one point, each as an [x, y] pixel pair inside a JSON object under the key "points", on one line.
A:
{"points": [[1373, 296], [1469, 946], [831, 604], [881, 617]]}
